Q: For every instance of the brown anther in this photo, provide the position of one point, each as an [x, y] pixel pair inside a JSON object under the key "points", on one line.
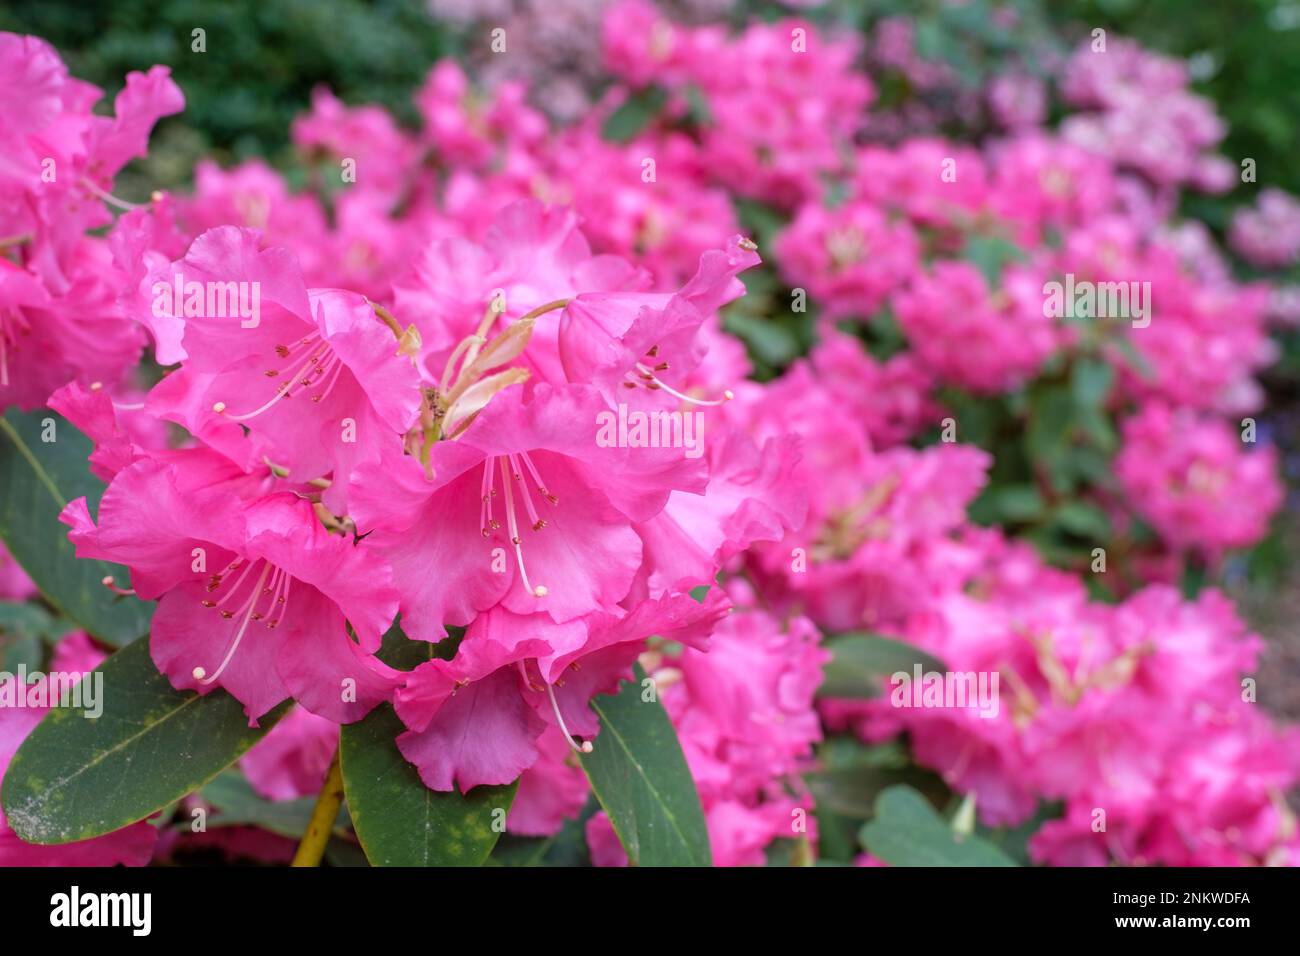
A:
{"points": [[514, 540], [661, 367], [629, 384], [208, 603], [271, 373], [541, 523], [227, 614], [653, 351], [282, 351], [653, 386]]}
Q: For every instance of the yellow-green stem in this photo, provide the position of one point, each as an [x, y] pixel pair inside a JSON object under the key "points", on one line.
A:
{"points": [[328, 801]]}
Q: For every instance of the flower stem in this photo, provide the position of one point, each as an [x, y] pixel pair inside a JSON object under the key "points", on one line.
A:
{"points": [[312, 847]]}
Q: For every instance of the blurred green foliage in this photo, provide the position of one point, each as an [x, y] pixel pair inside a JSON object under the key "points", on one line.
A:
{"points": [[262, 59], [1245, 56]]}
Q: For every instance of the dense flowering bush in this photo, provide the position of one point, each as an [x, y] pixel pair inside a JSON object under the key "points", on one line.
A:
{"points": [[733, 394]]}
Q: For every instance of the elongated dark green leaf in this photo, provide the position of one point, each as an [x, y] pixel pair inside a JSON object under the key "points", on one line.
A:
{"points": [[37, 478], [76, 777], [634, 115], [640, 777], [906, 831], [399, 820], [861, 664]]}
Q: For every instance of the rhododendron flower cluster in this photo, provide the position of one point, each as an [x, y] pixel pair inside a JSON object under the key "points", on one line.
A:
{"points": [[685, 397]]}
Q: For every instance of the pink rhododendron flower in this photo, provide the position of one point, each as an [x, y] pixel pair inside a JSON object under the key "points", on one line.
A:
{"points": [[964, 333], [325, 348], [849, 258], [226, 568], [1193, 479]]}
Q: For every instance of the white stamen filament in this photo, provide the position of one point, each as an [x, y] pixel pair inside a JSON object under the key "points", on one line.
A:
{"points": [[238, 581], [109, 197], [649, 376], [541, 486], [334, 379], [583, 748], [488, 523], [280, 603], [321, 365], [109, 583], [248, 609], [513, 527], [537, 523]]}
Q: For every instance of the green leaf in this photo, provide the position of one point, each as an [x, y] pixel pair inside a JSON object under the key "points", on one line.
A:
{"points": [[906, 831], [990, 254], [634, 115], [771, 341], [20, 650], [1083, 519], [31, 620], [860, 664], [400, 821], [566, 847], [852, 791], [639, 775], [1090, 381], [697, 106], [1014, 503], [76, 777], [37, 479], [238, 804]]}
